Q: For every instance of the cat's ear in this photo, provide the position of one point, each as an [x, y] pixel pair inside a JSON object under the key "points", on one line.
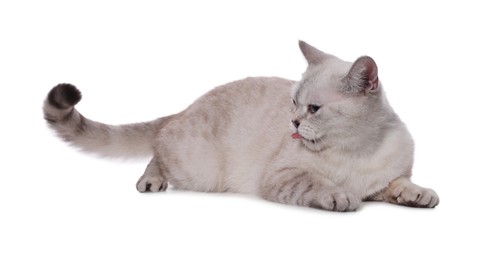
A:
{"points": [[312, 55], [363, 76]]}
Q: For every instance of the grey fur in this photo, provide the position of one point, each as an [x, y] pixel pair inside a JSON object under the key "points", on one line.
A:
{"points": [[237, 138]]}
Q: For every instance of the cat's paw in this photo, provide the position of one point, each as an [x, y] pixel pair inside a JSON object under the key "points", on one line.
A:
{"points": [[151, 183], [415, 196], [338, 201]]}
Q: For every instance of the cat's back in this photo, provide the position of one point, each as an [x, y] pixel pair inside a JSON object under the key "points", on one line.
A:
{"points": [[248, 91], [239, 106], [243, 104], [244, 107]]}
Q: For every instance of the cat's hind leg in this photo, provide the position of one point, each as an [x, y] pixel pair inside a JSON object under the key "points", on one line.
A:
{"points": [[402, 191], [153, 179], [296, 187]]}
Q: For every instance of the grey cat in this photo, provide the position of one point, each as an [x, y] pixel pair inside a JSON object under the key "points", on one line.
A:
{"points": [[328, 141]]}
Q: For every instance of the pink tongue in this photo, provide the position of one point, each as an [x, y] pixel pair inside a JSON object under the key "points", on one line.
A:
{"points": [[296, 136]]}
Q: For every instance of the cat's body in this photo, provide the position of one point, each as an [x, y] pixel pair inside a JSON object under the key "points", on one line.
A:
{"points": [[348, 144]]}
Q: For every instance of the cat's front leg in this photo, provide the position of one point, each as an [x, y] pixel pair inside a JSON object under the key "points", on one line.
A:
{"points": [[403, 192], [152, 179], [297, 187]]}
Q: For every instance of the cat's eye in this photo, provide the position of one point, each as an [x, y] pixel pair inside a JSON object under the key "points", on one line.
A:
{"points": [[313, 108], [294, 102]]}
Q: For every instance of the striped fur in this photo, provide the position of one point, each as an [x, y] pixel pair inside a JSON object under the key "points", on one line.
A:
{"points": [[296, 187], [122, 141], [347, 143]]}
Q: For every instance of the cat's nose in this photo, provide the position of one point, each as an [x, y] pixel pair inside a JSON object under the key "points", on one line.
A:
{"points": [[295, 123]]}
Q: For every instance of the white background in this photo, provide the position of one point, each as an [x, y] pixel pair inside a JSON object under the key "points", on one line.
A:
{"points": [[138, 60]]}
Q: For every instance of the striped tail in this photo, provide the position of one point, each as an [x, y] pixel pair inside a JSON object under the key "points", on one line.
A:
{"points": [[122, 141]]}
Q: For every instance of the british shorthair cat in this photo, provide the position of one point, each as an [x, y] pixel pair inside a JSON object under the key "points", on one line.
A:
{"points": [[329, 141]]}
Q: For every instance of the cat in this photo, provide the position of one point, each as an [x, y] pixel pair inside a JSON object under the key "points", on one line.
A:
{"points": [[328, 141]]}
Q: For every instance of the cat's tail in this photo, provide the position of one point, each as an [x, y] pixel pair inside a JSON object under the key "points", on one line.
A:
{"points": [[122, 141]]}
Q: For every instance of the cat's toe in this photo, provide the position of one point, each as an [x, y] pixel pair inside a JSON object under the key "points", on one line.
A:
{"points": [[435, 199], [416, 196], [429, 199], [340, 201], [151, 184]]}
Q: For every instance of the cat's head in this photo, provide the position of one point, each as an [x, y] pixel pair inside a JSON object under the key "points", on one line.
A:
{"points": [[337, 103]]}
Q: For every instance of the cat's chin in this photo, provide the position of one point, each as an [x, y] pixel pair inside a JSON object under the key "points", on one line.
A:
{"points": [[315, 145]]}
